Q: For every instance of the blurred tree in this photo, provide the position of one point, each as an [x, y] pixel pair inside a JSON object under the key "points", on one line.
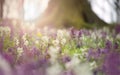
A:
{"points": [[76, 13], [1, 8], [117, 7]]}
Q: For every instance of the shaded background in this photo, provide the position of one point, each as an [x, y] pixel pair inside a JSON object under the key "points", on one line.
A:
{"points": [[63, 13]]}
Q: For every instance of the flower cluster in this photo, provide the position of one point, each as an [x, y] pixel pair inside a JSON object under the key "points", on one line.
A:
{"points": [[59, 52]]}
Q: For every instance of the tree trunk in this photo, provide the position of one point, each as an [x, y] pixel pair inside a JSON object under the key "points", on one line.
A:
{"points": [[68, 13], [117, 4], [1, 8]]}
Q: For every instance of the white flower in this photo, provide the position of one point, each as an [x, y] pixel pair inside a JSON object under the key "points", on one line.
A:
{"points": [[45, 39], [19, 51], [78, 67], [37, 42], [16, 41], [118, 36], [75, 61], [93, 36], [5, 31], [53, 51], [55, 42], [63, 41], [109, 38], [93, 65], [55, 69], [82, 69], [24, 37], [60, 34], [26, 43]]}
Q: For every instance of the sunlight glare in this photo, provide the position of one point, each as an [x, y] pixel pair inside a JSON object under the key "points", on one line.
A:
{"points": [[33, 9]]}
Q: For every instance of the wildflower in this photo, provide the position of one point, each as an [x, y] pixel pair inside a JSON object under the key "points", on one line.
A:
{"points": [[53, 51], [55, 69], [66, 59], [60, 33], [108, 44], [45, 39], [39, 34], [118, 36], [63, 41], [37, 42], [83, 69], [117, 29], [112, 63], [26, 43], [93, 65], [5, 31], [55, 42], [74, 62], [19, 51], [116, 46], [16, 41], [24, 37]]}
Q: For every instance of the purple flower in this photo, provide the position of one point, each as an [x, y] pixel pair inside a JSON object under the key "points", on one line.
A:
{"points": [[96, 53], [8, 57], [108, 44], [37, 67], [105, 51], [66, 59], [104, 34], [73, 32], [117, 29], [1, 72], [116, 46], [35, 51], [112, 63], [95, 72]]}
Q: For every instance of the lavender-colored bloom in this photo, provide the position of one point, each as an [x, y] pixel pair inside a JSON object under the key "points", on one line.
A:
{"points": [[117, 29], [108, 44], [95, 72], [66, 59], [89, 54], [35, 51], [94, 53], [32, 68], [79, 33], [116, 45], [105, 51], [112, 63], [104, 34], [8, 57], [1, 72], [73, 32]]}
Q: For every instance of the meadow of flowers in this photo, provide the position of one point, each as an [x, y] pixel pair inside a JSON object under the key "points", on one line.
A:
{"points": [[50, 51]]}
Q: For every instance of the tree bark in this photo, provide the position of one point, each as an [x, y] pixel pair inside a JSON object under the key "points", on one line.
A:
{"points": [[68, 13], [1, 8]]}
